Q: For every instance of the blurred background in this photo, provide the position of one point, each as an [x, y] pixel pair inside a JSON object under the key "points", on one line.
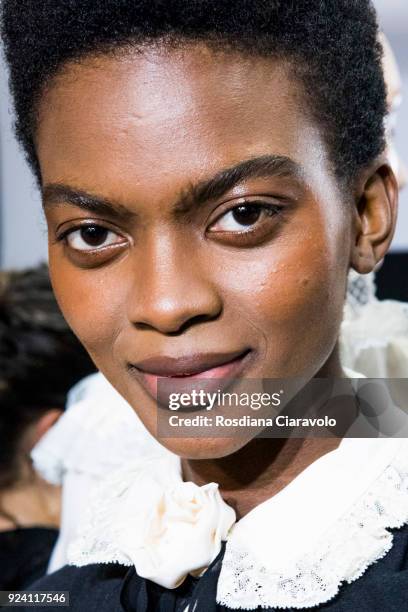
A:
{"points": [[22, 227]]}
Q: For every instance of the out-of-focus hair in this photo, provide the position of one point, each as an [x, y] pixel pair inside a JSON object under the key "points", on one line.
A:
{"points": [[40, 359]]}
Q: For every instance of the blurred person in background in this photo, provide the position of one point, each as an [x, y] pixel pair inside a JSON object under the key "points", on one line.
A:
{"points": [[73, 453], [40, 359]]}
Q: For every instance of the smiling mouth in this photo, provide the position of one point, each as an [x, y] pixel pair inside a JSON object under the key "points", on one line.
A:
{"points": [[219, 367]]}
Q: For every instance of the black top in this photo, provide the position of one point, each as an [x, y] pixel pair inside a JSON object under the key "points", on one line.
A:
{"points": [[24, 555], [114, 588]]}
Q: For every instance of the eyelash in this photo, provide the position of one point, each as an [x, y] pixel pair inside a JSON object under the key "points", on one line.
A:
{"points": [[257, 233], [65, 233], [262, 205], [63, 236], [271, 210]]}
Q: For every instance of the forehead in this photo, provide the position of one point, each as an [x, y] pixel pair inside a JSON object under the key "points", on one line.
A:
{"points": [[147, 116]]}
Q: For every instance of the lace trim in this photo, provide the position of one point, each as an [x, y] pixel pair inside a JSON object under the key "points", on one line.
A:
{"points": [[355, 542], [98, 535], [165, 527]]}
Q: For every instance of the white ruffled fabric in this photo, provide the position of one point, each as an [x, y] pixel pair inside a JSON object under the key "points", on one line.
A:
{"points": [[374, 333], [153, 520], [98, 432], [375, 339], [293, 551]]}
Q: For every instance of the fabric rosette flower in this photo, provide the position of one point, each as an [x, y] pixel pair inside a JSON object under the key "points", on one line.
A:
{"points": [[171, 532]]}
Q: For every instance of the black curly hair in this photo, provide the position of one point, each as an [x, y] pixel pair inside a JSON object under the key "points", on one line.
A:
{"points": [[40, 359], [331, 45]]}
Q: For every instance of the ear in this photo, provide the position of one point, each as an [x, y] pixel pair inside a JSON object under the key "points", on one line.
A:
{"points": [[376, 217], [40, 427]]}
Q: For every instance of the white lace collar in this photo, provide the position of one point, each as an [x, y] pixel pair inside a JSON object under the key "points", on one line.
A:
{"points": [[325, 528], [292, 551]]}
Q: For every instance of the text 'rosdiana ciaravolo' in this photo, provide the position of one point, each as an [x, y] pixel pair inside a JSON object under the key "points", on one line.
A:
{"points": [[197, 399]]}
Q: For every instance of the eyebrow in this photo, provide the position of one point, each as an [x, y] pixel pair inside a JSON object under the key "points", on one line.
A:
{"points": [[225, 180], [55, 194]]}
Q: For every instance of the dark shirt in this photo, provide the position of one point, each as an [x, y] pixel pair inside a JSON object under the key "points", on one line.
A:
{"points": [[24, 555], [115, 588]]}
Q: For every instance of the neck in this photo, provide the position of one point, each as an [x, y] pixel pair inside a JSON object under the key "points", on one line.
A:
{"points": [[30, 503], [259, 470], [264, 466]]}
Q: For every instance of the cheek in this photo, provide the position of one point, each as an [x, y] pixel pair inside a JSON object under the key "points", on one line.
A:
{"points": [[284, 292], [294, 294], [91, 303]]}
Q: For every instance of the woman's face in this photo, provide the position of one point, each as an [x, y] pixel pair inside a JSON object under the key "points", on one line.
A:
{"points": [[195, 224]]}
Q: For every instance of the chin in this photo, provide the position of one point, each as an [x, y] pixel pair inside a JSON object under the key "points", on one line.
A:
{"points": [[203, 448]]}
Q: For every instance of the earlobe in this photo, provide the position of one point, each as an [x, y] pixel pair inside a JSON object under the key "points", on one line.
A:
{"points": [[40, 427], [376, 216]]}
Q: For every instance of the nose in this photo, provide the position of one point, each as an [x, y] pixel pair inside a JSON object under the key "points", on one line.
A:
{"points": [[172, 291]]}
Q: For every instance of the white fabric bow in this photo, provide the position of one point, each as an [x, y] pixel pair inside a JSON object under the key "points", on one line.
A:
{"points": [[168, 534]]}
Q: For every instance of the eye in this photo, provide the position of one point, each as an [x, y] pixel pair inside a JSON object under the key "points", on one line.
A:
{"points": [[245, 217], [92, 237]]}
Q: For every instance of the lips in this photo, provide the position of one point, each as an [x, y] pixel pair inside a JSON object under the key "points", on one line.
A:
{"points": [[184, 371], [189, 365]]}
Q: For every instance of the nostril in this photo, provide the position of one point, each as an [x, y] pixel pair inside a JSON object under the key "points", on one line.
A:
{"points": [[173, 329], [203, 318], [143, 326]]}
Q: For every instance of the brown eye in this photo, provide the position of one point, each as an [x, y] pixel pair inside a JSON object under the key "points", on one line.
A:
{"points": [[247, 214], [92, 237], [244, 217]]}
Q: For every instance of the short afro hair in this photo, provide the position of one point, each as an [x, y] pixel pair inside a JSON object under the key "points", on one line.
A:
{"points": [[332, 45]]}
